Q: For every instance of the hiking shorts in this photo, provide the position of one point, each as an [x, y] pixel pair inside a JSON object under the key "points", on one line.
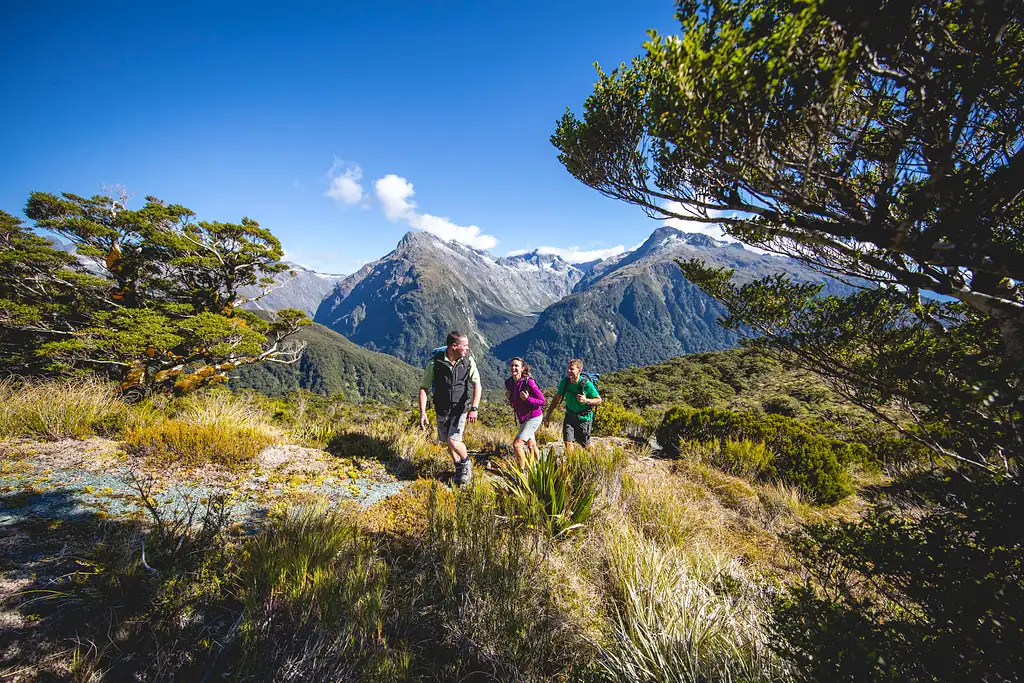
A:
{"points": [[575, 429], [529, 427], [450, 427]]}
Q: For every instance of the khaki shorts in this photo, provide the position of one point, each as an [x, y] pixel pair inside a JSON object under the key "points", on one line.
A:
{"points": [[528, 428], [450, 428]]}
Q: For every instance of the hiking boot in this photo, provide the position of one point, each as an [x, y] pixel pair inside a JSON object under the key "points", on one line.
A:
{"points": [[466, 475], [459, 468]]}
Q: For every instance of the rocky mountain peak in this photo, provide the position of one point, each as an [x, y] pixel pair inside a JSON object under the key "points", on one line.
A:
{"points": [[669, 237], [416, 239], [534, 260]]}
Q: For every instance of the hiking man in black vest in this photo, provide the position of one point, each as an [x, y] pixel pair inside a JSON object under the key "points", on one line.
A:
{"points": [[451, 372]]}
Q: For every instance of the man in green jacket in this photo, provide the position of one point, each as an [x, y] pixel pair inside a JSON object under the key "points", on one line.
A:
{"points": [[580, 397], [451, 372]]}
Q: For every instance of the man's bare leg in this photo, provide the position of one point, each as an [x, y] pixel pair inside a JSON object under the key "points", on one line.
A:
{"points": [[457, 450]]}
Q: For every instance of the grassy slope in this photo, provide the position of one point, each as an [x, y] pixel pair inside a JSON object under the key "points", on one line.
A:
{"points": [[432, 584]]}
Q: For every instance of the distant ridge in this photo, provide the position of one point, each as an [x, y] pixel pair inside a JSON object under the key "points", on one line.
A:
{"points": [[638, 309], [296, 287], [406, 302]]}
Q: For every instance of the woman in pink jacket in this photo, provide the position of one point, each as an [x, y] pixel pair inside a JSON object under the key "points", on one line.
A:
{"points": [[528, 403]]}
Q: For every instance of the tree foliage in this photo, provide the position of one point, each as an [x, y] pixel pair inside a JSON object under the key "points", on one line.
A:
{"points": [[933, 597], [878, 143], [151, 297], [879, 140]]}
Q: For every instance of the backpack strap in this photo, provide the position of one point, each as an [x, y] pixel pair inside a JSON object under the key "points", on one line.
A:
{"points": [[581, 384]]}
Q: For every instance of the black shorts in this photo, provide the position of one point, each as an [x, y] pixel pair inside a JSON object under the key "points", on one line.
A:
{"points": [[575, 429]]}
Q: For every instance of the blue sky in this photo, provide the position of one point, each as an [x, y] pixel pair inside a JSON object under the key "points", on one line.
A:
{"points": [[339, 126]]}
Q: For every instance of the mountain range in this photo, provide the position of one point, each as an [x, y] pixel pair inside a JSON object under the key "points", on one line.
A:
{"points": [[634, 309], [296, 287], [405, 303], [630, 310]]}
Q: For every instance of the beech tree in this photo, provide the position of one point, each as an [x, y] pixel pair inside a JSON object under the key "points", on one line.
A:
{"points": [[152, 297], [878, 142]]}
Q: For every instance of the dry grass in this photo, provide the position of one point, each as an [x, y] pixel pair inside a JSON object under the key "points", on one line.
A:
{"points": [[215, 427], [59, 409], [175, 443], [223, 410], [684, 616]]}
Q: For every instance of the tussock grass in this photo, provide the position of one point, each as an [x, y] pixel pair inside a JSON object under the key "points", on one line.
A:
{"points": [[181, 444], [549, 433], [314, 593], [60, 409], [215, 427], [665, 511], [314, 433], [495, 599], [698, 506], [223, 410], [684, 617], [490, 439]]}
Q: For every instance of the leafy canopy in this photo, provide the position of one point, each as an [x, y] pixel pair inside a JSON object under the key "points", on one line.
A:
{"points": [[877, 142], [151, 299]]}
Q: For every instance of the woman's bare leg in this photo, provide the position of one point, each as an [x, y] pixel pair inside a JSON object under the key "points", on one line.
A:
{"points": [[518, 444]]}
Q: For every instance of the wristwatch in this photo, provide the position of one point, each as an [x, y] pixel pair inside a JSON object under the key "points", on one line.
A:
{"points": [[474, 409]]}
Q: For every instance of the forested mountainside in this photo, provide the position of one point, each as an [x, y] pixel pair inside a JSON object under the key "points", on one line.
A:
{"points": [[332, 365], [639, 309]]}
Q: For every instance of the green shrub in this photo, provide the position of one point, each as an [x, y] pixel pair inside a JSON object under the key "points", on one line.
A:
{"points": [[611, 419], [782, 405], [812, 467], [816, 464]]}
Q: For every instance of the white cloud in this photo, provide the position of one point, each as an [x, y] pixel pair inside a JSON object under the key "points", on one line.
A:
{"points": [[574, 254], [345, 186], [446, 230], [395, 196], [710, 229], [393, 192]]}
